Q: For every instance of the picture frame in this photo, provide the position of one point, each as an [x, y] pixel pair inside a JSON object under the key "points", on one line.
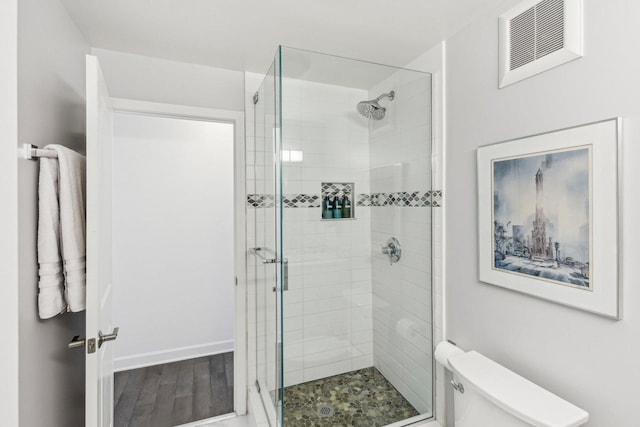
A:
{"points": [[549, 219]]}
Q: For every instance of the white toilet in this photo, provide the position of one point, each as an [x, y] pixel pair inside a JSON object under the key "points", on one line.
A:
{"points": [[490, 395]]}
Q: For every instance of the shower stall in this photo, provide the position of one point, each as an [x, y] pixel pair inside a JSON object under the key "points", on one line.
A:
{"points": [[339, 201]]}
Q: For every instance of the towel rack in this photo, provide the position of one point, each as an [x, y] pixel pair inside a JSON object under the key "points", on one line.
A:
{"points": [[32, 152]]}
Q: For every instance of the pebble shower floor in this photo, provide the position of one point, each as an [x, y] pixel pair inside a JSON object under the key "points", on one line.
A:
{"points": [[362, 398]]}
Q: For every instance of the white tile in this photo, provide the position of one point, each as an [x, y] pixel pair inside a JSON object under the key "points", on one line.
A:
{"points": [[330, 291], [420, 400], [362, 274], [363, 337], [324, 305], [328, 278], [362, 312], [362, 362], [422, 391], [293, 311], [293, 378], [292, 324], [327, 357], [293, 364], [361, 300], [313, 320], [360, 325], [324, 371], [292, 350], [315, 174], [341, 327], [310, 187], [325, 343], [362, 287]]}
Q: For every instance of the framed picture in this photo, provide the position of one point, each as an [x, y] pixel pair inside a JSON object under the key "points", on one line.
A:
{"points": [[549, 219]]}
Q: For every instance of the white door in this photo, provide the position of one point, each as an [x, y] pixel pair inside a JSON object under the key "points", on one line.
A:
{"points": [[99, 364]]}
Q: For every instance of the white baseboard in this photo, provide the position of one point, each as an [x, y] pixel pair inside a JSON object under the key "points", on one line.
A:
{"points": [[172, 355]]}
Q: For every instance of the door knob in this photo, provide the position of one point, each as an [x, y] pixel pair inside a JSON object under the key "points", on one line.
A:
{"points": [[102, 338]]}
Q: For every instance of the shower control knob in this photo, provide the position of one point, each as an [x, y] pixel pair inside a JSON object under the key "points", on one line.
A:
{"points": [[392, 249]]}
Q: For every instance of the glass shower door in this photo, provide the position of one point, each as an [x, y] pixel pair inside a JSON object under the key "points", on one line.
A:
{"points": [[265, 248], [357, 312]]}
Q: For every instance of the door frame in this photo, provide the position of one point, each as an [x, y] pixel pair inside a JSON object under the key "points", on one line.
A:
{"points": [[9, 360], [121, 105]]}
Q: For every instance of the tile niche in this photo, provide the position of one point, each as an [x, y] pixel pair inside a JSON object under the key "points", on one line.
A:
{"points": [[339, 190]]}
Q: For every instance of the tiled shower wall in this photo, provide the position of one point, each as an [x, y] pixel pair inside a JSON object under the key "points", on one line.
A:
{"points": [[327, 309], [400, 160]]}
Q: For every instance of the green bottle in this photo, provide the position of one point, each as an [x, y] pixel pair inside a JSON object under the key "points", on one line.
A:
{"points": [[327, 208], [337, 207], [346, 207]]}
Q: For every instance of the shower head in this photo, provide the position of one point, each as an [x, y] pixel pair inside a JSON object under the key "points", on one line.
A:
{"points": [[373, 110]]}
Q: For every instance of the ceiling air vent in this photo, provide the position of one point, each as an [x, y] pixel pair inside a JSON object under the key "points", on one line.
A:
{"points": [[536, 36]]}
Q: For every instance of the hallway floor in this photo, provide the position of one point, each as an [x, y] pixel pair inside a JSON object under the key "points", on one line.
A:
{"points": [[362, 398], [174, 393]]}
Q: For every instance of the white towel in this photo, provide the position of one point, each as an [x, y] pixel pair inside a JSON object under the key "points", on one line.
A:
{"points": [[51, 296], [61, 243]]}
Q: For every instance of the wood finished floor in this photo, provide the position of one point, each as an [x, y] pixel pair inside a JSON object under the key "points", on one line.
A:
{"points": [[174, 393]]}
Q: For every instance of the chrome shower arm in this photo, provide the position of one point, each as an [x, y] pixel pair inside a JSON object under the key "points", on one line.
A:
{"points": [[389, 95]]}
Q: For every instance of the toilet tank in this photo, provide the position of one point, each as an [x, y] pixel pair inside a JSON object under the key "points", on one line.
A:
{"points": [[493, 396]]}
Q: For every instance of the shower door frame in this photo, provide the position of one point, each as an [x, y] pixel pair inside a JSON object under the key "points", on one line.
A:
{"points": [[122, 105], [435, 140], [272, 400]]}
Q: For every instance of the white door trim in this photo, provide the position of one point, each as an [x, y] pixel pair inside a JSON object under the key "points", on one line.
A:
{"points": [[9, 406], [237, 119]]}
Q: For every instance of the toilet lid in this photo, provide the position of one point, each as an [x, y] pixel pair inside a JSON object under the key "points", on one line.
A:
{"points": [[515, 394]]}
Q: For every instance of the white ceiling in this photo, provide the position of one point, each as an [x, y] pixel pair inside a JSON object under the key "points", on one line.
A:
{"points": [[244, 34]]}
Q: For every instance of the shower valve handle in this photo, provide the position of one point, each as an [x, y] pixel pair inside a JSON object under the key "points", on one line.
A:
{"points": [[392, 249]]}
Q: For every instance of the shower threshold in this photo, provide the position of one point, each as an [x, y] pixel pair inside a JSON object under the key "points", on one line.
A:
{"points": [[362, 398]]}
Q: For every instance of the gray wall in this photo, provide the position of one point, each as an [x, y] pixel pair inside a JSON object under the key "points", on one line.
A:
{"points": [[51, 109], [587, 359]]}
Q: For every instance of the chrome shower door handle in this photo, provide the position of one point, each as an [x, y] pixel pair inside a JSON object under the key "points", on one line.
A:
{"points": [[285, 274], [103, 338], [285, 277], [257, 252]]}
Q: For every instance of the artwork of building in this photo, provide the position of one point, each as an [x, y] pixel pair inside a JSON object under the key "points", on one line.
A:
{"points": [[528, 241], [520, 240], [542, 247]]}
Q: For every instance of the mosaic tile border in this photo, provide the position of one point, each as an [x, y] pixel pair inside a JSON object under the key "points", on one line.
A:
{"points": [[436, 198], [415, 199], [339, 189], [260, 200], [401, 199], [301, 201]]}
